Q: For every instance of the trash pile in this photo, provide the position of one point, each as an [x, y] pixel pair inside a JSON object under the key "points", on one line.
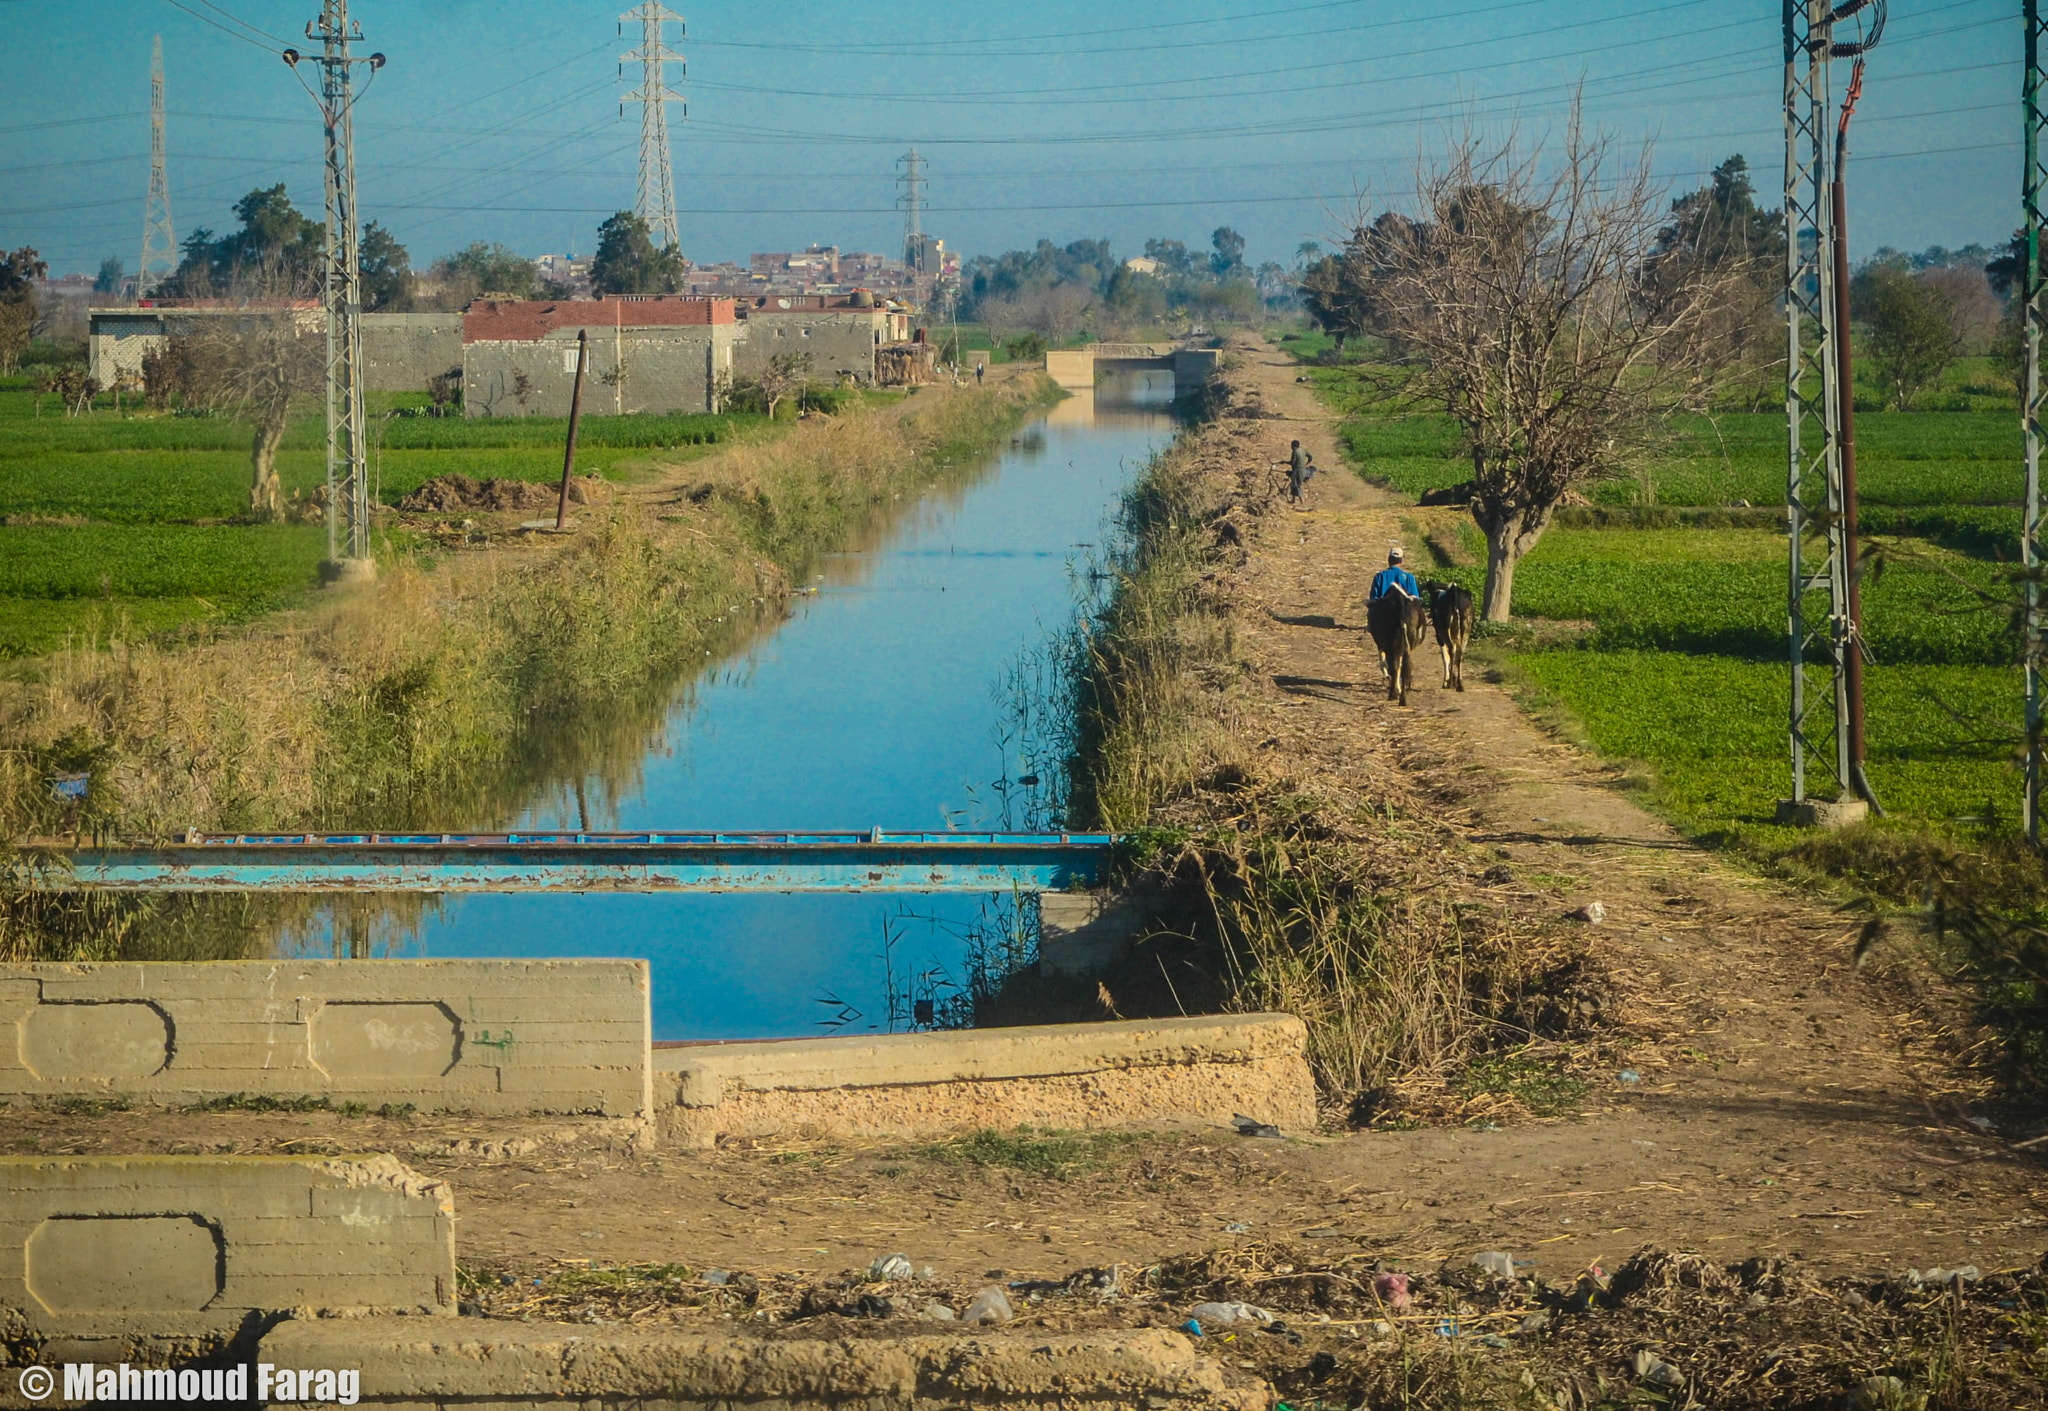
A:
{"points": [[1662, 1328], [457, 494]]}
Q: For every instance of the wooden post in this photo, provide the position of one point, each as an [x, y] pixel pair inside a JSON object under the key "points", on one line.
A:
{"points": [[575, 415]]}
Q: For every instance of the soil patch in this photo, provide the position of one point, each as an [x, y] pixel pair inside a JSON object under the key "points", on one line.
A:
{"points": [[456, 494]]}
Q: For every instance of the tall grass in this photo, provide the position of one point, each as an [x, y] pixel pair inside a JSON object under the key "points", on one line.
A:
{"points": [[421, 702], [1309, 897]]}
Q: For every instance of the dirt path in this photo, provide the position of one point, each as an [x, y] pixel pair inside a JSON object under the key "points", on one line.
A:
{"points": [[1775, 1086], [1781, 1107]]}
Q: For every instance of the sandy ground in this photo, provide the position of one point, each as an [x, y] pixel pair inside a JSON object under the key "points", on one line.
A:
{"points": [[1786, 1106]]}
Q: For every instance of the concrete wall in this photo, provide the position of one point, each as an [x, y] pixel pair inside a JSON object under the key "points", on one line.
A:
{"points": [[101, 1247], [841, 342], [400, 351], [1199, 1070], [1070, 369], [668, 368], [487, 1036]]}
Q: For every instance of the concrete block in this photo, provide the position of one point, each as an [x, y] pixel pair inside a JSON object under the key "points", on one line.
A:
{"points": [[1128, 1073], [1083, 933], [405, 1363], [1071, 369], [485, 1036], [107, 1247]]}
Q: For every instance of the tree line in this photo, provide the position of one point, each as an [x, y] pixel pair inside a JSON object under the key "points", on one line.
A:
{"points": [[284, 249]]}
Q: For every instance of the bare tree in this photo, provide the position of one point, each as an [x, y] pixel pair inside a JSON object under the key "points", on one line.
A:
{"points": [[1002, 316], [785, 373], [1057, 310], [251, 364], [1521, 302]]}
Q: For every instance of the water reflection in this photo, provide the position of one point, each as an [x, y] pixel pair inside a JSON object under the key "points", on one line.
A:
{"points": [[880, 702]]}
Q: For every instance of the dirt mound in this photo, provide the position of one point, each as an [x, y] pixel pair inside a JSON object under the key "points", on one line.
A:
{"points": [[452, 494]]}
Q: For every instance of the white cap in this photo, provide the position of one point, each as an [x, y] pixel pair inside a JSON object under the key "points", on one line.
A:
{"points": [[1394, 552]]}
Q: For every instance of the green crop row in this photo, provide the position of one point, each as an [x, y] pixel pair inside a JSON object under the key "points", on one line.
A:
{"points": [[1943, 740], [1903, 458], [1723, 592]]}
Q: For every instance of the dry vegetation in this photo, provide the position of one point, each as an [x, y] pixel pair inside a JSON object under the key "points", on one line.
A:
{"points": [[1342, 903], [426, 701]]}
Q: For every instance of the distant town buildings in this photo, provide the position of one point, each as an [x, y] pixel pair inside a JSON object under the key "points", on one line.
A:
{"points": [[826, 269]]}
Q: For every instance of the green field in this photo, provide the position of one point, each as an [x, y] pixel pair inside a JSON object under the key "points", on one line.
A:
{"points": [[134, 523], [1656, 617]]}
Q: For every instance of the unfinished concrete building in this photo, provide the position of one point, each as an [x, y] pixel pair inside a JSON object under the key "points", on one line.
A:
{"points": [[840, 332], [401, 352], [647, 354]]}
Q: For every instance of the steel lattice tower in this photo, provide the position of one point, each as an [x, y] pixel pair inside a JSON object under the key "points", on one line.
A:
{"points": [[912, 183], [657, 199], [1821, 633], [159, 241], [348, 477], [2033, 191]]}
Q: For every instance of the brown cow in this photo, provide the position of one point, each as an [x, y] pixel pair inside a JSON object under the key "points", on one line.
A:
{"points": [[1397, 623], [1450, 613]]}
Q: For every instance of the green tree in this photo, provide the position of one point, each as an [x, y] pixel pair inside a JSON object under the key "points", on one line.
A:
{"points": [[274, 237], [19, 272], [1228, 261], [386, 268], [627, 261], [111, 276], [479, 268], [1909, 330], [1173, 256]]}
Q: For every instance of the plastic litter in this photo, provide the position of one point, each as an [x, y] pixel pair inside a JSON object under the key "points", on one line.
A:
{"points": [[1966, 1272], [1192, 1328], [1656, 1371], [889, 1268], [989, 1306], [939, 1313], [1629, 1075], [1592, 913], [1253, 1127], [1494, 1262], [1237, 1227], [716, 1276], [1224, 1315]]}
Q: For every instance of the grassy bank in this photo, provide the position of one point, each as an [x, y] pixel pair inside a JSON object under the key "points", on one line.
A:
{"points": [[1350, 909], [449, 693], [133, 523]]}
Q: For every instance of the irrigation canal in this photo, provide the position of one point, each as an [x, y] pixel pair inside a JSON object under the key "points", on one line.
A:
{"points": [[888, 700]]}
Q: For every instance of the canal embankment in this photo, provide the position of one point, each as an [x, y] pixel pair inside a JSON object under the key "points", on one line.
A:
{"points": [[462, 684]]}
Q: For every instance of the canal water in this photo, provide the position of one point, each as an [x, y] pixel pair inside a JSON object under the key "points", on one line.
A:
{"points": [[889, 699]]}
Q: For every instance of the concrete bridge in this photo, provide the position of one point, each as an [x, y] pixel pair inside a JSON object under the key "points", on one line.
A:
{"points": [[1079, 367]]}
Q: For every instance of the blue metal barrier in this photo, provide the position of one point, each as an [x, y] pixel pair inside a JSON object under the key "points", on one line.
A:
{"points": [[865, 861]]}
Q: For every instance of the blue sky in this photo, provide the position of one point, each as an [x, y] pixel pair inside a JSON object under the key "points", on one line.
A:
{"points": [[1065, 119]]}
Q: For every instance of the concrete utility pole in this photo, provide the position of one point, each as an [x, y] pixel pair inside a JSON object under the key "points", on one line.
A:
{"points": [[1822, 631], [348, 477], [159, 241], [912, 200], [656, 203], [2033, 191]]}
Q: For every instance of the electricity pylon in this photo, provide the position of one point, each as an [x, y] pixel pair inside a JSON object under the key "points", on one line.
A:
{"points": [[657, 199], [2033, 191], [159, 241], [1821, 631], [912, 183], [348, 478]]}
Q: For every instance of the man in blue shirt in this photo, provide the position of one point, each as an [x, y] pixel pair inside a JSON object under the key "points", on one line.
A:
{"points": [[1393, 577]]}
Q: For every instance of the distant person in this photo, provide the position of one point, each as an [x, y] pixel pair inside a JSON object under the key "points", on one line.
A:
{"points": [[1393, 578], [1297, 464], [980, 372]]}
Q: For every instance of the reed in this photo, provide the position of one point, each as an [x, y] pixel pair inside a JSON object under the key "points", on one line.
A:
{"points": [[426, 701], [1347, 909]]}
